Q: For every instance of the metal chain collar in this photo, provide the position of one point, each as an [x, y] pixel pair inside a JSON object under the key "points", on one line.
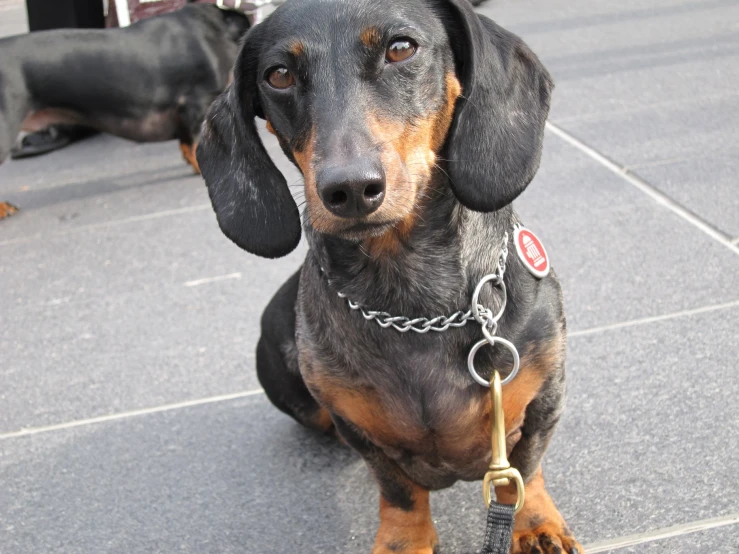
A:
{"points": [[441, 323]]}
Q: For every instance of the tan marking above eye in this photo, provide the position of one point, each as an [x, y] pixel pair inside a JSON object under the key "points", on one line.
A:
{"points": [[400, 50], [281, 78], [371, 37]]}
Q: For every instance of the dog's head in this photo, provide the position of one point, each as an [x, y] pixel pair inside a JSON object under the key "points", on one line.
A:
{"points": [[368, 98]]}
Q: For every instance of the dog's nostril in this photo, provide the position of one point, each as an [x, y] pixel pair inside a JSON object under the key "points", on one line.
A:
{"points": [[373, 191], [338, 198]]}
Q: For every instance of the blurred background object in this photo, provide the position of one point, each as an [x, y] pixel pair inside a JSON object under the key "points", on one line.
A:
{"points": [[64, 14], [121, 13]]}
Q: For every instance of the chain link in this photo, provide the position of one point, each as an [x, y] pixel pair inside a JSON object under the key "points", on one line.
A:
{"points": [[438, 324]]}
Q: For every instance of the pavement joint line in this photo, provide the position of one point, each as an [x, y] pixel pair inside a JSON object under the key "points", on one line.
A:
{"points": [[662, 534], [645, 187], [226, 397], [117, 179], [207, 280], [654, 319], [133, 413], [114, 223]]}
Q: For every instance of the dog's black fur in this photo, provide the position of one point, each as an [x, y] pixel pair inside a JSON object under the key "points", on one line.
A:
{"points": [[449, 166], [152, 81]]}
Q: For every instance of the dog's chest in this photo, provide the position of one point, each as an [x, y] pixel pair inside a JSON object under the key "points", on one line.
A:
{"points": [[437, 426]]}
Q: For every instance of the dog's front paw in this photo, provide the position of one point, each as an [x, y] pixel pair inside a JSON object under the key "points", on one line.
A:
{"points": [[540, 528], [7, 209], [546, 538]]}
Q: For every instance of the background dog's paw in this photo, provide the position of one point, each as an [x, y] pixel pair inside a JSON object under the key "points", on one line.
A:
{"points": [[188, 153], [547, 538], [7, 209]]}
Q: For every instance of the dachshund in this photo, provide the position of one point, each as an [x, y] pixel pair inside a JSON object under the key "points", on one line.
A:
{"points": [[152, 81], [415, 124]]}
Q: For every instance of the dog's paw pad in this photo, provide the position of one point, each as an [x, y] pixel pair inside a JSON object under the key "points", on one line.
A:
{"points": [[545, 539], [7, 209]]}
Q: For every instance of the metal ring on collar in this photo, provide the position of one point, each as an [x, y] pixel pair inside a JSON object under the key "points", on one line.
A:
{"points": [[499, 340], [498, 282]]}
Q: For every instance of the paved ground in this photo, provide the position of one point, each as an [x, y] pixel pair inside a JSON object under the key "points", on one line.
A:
{"points": [[130, 416]]}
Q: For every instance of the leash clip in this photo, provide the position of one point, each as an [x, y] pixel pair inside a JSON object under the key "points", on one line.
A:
{"points": [[500, 473]]}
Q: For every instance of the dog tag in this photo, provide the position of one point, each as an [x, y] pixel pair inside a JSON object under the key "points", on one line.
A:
{"points": [[532, 252]]}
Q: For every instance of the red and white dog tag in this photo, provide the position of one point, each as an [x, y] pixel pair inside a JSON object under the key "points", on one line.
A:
{"points": [[531, 252]]}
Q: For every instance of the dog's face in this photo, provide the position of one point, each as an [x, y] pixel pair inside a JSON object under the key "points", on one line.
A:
{"points": [[362, 104], [364, 96]]}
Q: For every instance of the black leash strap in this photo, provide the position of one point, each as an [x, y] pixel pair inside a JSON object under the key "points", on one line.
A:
{"points": [[499, 529]]}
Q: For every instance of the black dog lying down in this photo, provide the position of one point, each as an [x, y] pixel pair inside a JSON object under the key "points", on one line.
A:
{"points": [[152, 81]]}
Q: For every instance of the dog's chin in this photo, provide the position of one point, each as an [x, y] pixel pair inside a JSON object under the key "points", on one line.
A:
{"points": [[363, 230]]}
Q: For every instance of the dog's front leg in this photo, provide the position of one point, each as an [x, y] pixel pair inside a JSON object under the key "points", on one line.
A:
{"points": [[405, 513], [405, 519]]}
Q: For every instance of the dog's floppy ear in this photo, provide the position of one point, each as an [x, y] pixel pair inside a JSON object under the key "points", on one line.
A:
{"points": [[495, 141], [249, 194]]}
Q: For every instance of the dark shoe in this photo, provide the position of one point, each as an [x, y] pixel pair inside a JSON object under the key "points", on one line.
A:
{"points": [[49, 139]]}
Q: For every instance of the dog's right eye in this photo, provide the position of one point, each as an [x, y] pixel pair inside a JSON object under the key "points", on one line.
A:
{"points": [[400, 50], [280, 78]]}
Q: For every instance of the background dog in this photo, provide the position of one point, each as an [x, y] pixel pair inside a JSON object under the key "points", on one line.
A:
{"points": [[152, 81]]}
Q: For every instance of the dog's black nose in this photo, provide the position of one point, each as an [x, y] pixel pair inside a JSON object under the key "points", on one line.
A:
{"points": [[352, 190]]}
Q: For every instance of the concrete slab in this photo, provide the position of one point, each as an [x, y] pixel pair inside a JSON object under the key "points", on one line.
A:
{"points": [[241, 477], [686, 181], [98, 319], [101, 296], [105, 321], [724, 539], [646, 85], [619, 254]]}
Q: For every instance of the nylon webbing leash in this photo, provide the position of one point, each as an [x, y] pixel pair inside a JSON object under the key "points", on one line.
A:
{"points": [[499, 529]]}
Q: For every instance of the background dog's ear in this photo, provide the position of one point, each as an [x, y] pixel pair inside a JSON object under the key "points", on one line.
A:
{"points": [[495, 142], [249, 194]]}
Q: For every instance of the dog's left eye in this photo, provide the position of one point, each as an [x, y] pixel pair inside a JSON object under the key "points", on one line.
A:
{"points": [[280, 78], [400, 50]]}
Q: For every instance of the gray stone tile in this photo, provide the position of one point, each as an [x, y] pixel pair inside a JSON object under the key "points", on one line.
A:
{"points": [[96, 316], [721, 540], [651, 423], [641, 90], [608, 57], [241, 477], [235, 477], [615, 32], [705, 184], [619, 255], [685, 130], [97, 319], [646, 84], [105, 180], [101, 322]]}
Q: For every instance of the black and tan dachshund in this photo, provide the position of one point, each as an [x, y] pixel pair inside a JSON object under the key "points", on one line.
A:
{"points": [[152, 81], [415, 124]]}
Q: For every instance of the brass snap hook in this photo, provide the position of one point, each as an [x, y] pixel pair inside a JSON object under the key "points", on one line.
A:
{"points": [[500, 472]]}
